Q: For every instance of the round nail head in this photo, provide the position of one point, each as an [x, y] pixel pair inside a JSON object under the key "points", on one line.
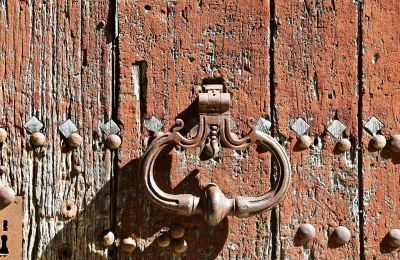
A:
{"points": [[3, 135], [378, 141], [75, 140], [393, 238], [7, 196], [344, 145], [306, 232], [163, 240], [179, 245], [305, 141], [128, 245], [177, 231], [108, 239], [341, 235], [38, 139], [113, 142], [3, 169], [395, 143]]}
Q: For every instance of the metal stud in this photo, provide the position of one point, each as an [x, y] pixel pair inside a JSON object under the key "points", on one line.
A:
{"points": [[263, 125], [336, 129], [341, 235], [306, 232], [33, 125], [108, 239], [38, 139], [110, 128], [67, 128], [68, 209], [305, 141], [179, 246], [395, 143], [3, 135], [113, 141], [373, 125], [163, 240], [177, 231], [300, 126], [128, 245], [153, 124], [3, 170], [393, 238], [344, 145], [75, 140], [378, 142], [7, 196]]}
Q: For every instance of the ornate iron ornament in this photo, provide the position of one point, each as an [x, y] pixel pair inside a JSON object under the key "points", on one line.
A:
{"points": [[213, 132]]}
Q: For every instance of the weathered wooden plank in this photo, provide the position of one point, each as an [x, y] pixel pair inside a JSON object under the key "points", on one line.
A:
{"points": [[316, 79], [55, 64], [381, 99], [166, 51]]}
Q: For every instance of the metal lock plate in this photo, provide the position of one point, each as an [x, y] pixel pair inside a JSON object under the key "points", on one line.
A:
{"points": [[11, 230]]}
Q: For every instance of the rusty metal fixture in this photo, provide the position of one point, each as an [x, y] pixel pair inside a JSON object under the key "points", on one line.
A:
{"points": [[305, 141], [75, 140], [38, 139], [68, 209], [341, 235], [378, 141], [11, 226], [306, 232], [113, 141], [177, 231], [7, 196], [108, 238], [157, 134], [179, 246], [128, 245], [393, 238], [163, 240], [3, 135], [395, 143], [3, 169], [213, 205], [344, 145]]}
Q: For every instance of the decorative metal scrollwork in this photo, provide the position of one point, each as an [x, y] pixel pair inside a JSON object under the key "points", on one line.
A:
{"points": [[214, 132]]}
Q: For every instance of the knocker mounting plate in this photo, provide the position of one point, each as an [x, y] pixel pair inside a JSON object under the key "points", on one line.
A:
{"points": [[213, 133]]}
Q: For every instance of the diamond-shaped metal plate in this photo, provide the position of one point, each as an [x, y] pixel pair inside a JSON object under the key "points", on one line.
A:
{"points": [[336, 128], [67, 128], [153, 125], [263, 125], [33, 125], [300, 126], [110, 128], [373, 125]]}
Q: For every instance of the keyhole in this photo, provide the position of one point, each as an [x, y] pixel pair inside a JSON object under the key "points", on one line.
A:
{"points": [[5, 225], [4, 249]]}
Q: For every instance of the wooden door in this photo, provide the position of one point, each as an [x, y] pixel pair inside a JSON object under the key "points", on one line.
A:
{"points": [[325, 69]]}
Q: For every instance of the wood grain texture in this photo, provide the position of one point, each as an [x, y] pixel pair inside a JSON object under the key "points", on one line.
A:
{"points": [[316, 79], [381, 99], [55, 64], [166, 51]]}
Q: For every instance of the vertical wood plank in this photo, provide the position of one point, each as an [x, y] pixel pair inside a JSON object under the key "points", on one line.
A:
{"points": [[316, 79], [56, 65], [381, 99]]}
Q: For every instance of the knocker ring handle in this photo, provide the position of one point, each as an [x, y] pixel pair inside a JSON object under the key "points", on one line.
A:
{"points": [[214, 130]]}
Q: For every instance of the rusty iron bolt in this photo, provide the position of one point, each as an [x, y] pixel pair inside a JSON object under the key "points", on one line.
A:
{"points": [[163, 240], [68, 209], [7, 196], [3, 169], [108, 239], [341, 235], [75, 140], [344, 145], [305, 141], [306, 232], [179, 245], [38, 139], [378, 142], [3, 135], [177, 231], [113, 142], [128, 245], [395, 143], [393, 238]]}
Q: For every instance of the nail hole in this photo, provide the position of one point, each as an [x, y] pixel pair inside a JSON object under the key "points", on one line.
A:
{"points": [[68, 207], [147, 7]]}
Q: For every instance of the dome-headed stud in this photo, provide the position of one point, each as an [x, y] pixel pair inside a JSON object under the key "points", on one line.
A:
{"points": [[177, 231], [306, 232], [179, 246], [38, 139], [393, 238], [341, 235], [3, 170], [395, 143], [68, 209], [128, 245], [378, 142], [3, 135], [113, 142], [305, 141], [108, 238], [7, 196], [344, 145], [75, 140], [163, 240]]}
